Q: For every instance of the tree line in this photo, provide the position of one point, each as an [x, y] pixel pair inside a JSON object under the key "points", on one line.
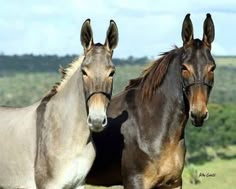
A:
{"points": [[49, 63]]}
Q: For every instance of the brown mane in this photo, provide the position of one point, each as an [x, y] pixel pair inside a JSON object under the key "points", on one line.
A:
{"points": [[153, 75]]}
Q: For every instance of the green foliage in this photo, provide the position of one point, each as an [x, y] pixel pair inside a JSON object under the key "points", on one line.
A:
{"points": [[218, 131], [224, 88]]}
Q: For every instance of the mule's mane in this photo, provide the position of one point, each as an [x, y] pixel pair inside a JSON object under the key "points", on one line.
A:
{"points": [[153, 75], [66, 75]]}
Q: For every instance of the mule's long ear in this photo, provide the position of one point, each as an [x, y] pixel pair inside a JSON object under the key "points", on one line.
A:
{"points": [[112, 36], [208, 30], [86, 35], [187, 30]]}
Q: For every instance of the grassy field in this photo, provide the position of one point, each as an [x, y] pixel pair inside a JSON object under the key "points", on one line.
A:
{"points": [[223, 175], [21, 89], [222, 171], [226, 61]]}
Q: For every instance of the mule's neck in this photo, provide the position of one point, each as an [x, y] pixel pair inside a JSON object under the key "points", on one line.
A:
{"points": [[174, 108], [68, 105], [172, 87]]}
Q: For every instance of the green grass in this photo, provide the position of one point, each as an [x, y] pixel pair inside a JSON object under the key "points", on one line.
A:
{"points": [[21, 89], [224, 170]]}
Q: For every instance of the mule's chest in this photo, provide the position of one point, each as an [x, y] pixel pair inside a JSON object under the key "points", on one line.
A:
{"points": [[166, 169], [170, 164], [78, 168]]}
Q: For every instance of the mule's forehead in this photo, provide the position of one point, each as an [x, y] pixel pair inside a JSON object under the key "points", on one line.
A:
{"points": [[198, 54], [198, 58], [98, 55], [197, 44]]}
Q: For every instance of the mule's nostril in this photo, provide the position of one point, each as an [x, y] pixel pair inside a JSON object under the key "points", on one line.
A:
{"points": [[192, 115], [89, 121], [104, 122], [206, 116]]}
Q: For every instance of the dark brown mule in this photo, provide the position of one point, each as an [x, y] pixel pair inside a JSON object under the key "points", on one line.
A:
{"points": [[144, 141]]}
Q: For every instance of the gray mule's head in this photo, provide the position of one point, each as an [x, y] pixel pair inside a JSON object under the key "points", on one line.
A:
{"points": [[97, 72]]}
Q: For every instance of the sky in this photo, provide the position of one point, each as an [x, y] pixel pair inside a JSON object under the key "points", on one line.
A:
{"points": [[146, 27]]}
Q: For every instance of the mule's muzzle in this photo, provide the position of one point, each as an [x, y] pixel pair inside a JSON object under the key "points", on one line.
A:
{"points": [[97, 123], [198, 119], [97, 105]]}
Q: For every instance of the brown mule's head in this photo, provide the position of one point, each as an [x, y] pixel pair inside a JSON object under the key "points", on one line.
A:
{"points": [[97, 72], [198, 68]]}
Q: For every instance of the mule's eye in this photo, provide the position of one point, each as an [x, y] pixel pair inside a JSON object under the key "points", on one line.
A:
{"points": [[212, 69], [111, 74], [185, 72], [84, 72], [184, 68]]}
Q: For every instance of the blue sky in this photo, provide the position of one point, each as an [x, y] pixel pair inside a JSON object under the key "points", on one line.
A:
{"points": [[146, 28]]}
